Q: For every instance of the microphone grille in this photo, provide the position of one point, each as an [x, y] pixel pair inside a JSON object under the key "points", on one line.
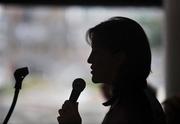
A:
{"points": [[79, 84]]}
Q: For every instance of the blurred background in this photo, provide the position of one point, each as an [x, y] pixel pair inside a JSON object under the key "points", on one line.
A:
{"points": [[50, 40]]}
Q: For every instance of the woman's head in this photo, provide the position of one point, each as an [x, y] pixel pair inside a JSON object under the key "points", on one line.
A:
{"points": [[123, 40]]}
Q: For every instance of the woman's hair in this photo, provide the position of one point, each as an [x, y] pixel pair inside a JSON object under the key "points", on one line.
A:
{"points": [[121, 34]]}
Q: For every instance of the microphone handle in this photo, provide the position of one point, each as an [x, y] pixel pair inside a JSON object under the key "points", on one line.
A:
{"points": [[74, 95]]}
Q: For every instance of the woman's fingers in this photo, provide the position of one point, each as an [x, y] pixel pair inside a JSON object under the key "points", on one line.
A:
{"points": [[60, 112], [69, 114], [59, 119]]}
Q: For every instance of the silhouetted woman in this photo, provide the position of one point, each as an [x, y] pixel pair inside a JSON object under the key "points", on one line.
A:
{"points": [[120, 58]]}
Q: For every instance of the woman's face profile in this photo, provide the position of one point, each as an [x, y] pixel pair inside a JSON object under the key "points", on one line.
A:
{"points": [[104, 65]]}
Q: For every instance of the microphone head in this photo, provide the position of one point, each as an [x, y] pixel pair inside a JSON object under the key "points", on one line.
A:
{"points": [[78, 85], [19, 75]]}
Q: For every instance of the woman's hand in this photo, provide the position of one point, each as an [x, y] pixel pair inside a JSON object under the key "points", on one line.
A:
{"points": [[69, 113]]}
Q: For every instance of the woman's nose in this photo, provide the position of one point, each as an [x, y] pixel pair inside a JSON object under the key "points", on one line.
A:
{"points": [[89, 60]]}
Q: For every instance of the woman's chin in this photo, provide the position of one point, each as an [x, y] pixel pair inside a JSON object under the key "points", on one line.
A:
{"points": [[95, 80]]}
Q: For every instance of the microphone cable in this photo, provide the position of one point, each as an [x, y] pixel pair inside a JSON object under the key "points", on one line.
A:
{"points": [[16, 93]]}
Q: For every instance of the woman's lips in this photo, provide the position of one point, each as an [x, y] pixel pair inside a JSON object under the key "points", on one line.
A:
{"points": [[91, 69]]}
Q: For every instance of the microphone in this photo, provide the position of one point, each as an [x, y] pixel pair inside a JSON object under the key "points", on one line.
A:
{"points": [[19, 75], [78, 86]]}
